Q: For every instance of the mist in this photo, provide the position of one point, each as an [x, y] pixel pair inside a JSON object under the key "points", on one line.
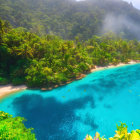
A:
{"points": [[120, 24], [71, 18], [136, 3]]}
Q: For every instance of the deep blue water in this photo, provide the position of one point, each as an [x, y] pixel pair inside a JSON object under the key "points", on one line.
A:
{"points": [[95, 103]]}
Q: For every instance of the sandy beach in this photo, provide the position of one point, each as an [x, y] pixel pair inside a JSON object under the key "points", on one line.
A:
{"points": [[113, 66], [8, 89]]}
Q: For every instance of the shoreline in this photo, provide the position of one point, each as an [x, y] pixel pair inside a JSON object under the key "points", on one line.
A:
{"points": [[132, 62], [96, 68], [6, 90]]}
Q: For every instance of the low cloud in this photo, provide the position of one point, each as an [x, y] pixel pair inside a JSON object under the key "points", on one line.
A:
{"points": [[120, 24]]}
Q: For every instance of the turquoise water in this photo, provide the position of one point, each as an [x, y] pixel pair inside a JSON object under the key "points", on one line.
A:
{"points": [[95, 103]]}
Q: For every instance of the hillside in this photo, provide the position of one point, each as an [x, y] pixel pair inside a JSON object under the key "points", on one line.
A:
{"points": [[70, 19]]}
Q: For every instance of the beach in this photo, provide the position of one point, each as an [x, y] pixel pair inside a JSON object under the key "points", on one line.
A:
{"points": [[113, 66], [9, 89]]}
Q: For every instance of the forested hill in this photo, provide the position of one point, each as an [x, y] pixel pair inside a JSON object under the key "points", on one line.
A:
{"points": [[70, 19], [49, 61]]}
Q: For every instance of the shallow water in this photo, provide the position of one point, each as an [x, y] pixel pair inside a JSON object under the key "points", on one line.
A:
{"points": [[95, 103]]}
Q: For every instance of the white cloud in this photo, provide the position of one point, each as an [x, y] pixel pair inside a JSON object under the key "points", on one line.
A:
{"points": [[118, 23], [136, 3]]}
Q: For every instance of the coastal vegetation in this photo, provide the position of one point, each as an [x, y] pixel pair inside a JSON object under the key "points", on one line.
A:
{"points": [[48, 60], [12, 128], [121, 134]]}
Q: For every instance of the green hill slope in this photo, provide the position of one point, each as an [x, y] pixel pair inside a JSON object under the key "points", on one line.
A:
{"points": [[68, 18]]}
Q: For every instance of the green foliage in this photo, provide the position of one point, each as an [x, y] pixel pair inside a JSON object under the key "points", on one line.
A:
{"points": [[68, 18], [121, 134], [13, 128], [97, 137], [18, 81], [3, 81], [111, 49], [26, 58]]}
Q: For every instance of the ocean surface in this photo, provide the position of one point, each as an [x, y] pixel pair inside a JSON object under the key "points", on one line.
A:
{"points": [[96, 103]]}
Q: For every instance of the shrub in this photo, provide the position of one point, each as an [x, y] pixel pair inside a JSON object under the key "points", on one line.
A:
{"points": [[121, 134], [18, 81], [3, 81], [13, 128]]}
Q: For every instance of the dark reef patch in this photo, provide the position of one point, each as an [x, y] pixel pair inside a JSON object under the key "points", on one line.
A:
{"points": [[50, 118]]}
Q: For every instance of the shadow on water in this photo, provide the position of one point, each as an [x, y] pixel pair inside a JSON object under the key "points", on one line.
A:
{"points": [[51, 119]]}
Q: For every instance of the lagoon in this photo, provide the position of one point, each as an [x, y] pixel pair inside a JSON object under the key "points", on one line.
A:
{"points": [[96, 103]]}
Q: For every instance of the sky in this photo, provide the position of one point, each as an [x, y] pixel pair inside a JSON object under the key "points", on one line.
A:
{"points": [[136, 3]]}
